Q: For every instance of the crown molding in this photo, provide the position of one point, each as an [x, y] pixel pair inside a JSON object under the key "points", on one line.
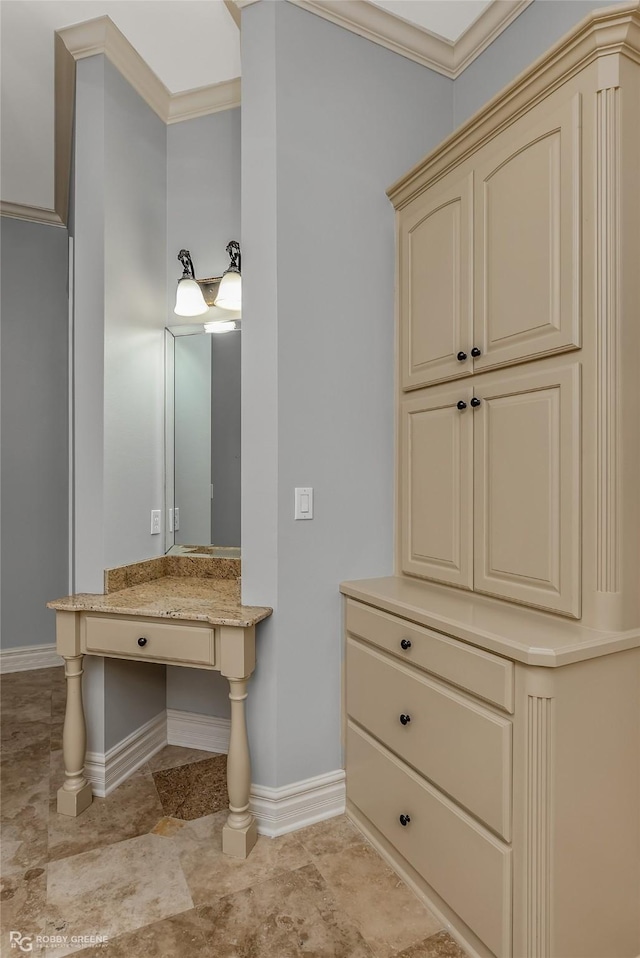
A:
{"points": [[32, 214], [409, 40], [204, 100], [377, 24], [101, 35], [483, 31]]}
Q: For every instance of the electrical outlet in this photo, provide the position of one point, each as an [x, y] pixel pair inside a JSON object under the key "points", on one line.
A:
{"points": [[156, 518], [170, 517], [176, 519]]}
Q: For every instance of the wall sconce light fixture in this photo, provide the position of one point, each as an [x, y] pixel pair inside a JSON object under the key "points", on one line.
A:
{"points": [[195, 296], [230, 288]]}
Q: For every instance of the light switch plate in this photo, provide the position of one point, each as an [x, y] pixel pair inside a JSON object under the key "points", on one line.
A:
{"points": [[303, 503]]}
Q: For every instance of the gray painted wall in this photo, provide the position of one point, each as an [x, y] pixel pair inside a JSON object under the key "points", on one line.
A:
{"points": [[35, 451], [203, 214], [536, 29], [120, 290], [203, 196], [226, 399], [329, 121]]}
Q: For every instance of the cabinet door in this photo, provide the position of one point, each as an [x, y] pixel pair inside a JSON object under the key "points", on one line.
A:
{"points": [[528, 234], [436, 452], [527, 488], [435, 236]]}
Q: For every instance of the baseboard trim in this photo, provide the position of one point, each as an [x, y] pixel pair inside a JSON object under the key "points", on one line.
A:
{"points": [[107, 770], [191, 730], [286, 809], [29, 657]]}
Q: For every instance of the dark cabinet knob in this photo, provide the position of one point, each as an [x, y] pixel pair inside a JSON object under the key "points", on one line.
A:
{"points": [[475, 352], [462, 356], [475, 402], [405, 644], [405, 719], [461, 404], [404, 820], [142, 642]]}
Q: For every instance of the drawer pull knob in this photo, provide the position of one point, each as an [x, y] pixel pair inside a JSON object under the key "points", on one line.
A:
{"points": [[475, 402], [141, 642], [404, 820], [475, 352], [461, 404], [405, 719], [405, 644], [461, 357]]}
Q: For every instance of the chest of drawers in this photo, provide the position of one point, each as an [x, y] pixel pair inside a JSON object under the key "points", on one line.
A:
{"points": [[502, 792]]}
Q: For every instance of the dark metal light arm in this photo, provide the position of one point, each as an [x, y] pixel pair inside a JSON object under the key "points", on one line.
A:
{"points": [[187, 264], [233, 249]]}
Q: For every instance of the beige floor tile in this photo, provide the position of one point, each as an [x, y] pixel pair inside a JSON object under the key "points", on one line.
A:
{"points": [[440, 945], [114, 890], [187, 934], [132, 809], [210, 874], [332, 835], [24, 705], [293, 915], [173, 756], [389, 915], [16, 736], [23, 896], [24, 806]]}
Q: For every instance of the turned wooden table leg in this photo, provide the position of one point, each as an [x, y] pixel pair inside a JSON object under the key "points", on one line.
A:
{"points": [[239, 834], [75, 795]]}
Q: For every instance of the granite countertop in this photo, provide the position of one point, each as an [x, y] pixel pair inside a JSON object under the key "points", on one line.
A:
{"points": [[216, 601]]}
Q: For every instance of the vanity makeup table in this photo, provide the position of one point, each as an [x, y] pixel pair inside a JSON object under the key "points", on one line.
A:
{"points": [[183, 620]]}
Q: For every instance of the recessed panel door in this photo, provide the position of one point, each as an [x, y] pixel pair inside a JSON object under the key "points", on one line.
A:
{"points": [[528, 235], [435, 236], [527, 488], [436, 490]]}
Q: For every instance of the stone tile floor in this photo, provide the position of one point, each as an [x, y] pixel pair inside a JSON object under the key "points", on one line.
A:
{"points": [[139, 869]]}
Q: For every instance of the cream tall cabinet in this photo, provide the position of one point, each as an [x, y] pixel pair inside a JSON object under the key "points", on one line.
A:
{"points": [[493, 684]]}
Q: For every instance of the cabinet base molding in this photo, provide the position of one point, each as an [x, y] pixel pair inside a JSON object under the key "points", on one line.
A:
{"points": [[450, 921], [29, 657], [290, 807], [107, 770]]}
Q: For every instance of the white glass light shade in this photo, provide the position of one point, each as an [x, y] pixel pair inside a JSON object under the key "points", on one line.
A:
{"points": [[189, 299], [221, 326], [230, 292]]}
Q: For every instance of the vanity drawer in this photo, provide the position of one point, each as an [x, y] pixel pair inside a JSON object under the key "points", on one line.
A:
{"points": [[465, 864], [164, 640], [482, 673], [458, 744]]}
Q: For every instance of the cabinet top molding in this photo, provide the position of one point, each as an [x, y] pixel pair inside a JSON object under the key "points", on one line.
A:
{"points": [[601, 34]]}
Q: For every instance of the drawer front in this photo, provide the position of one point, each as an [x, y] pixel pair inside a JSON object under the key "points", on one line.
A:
{"points": [[474, 670], [164, 641], [460, 746], [466, 865]]}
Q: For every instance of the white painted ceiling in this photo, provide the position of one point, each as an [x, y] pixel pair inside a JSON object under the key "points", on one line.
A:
{"points": [[187, 43]]}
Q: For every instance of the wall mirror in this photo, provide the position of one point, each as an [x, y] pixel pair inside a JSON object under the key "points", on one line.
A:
{"points": [[202, 441]]}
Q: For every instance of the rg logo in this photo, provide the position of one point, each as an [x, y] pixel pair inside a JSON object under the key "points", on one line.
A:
{"points": [[18, 940]]}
